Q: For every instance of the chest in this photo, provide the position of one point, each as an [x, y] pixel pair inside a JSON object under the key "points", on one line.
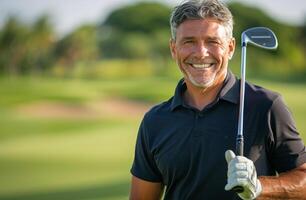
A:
{"points": [[194, 147]]}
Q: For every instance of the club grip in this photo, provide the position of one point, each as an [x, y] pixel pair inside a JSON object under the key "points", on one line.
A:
{"points": [[239, 152], [239, 146]]}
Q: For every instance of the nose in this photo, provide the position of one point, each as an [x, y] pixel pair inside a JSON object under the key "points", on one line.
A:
{"points": [[201, 50]]}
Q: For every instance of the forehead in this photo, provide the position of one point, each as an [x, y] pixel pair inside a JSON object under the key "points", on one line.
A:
{"points": [[201, 28]]}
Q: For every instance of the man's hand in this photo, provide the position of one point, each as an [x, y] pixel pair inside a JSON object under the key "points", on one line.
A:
{"points": [[242, 172]]}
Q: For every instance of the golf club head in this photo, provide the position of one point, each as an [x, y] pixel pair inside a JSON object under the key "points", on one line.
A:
{"points": [[259, 36]]}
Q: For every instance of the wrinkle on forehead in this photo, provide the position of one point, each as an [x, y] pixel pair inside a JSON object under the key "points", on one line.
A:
{"points": [[198, 28]]}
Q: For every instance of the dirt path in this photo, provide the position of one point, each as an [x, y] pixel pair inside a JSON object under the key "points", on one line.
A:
{"points": [[96, 109]]}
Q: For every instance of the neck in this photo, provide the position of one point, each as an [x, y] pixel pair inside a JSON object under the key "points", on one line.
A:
{"points": [[198, 97]]}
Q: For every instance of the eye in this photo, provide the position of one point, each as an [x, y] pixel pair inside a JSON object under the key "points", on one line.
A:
{"points": [[188, 41], [214, 42]]}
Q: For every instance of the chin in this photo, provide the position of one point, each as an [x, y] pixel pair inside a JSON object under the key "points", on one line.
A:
{"points": [[205, 84], [201, 83]]}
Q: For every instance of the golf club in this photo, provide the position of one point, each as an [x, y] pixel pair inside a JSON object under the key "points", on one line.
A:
{"points": [[261, 37]]}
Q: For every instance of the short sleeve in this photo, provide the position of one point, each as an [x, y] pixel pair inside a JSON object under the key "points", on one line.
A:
{"points": [[144, 166], [288, 148]]}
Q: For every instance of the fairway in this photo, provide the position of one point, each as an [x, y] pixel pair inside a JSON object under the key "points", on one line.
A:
{"points": [[74, 139]]}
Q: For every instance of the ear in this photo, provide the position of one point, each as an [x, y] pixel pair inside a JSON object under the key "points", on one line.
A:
{"points": [[172, 46], [231, 47]]}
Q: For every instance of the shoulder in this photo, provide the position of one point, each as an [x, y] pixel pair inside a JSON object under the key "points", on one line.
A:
{"points": [[158, 111], [260, 96]]}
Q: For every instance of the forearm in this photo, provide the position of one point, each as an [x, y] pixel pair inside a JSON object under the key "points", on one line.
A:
{"points": [[287, 186]]}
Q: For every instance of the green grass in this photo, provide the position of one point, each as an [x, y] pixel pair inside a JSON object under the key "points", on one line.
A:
{"points": [[83, 159], [37, 166], [27, 89]]}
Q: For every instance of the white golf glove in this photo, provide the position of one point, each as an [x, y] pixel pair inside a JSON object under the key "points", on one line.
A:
{"points": [[241, 172]]}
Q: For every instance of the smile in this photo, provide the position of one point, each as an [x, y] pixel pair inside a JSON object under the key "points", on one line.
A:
{"points": [[203, 66]]}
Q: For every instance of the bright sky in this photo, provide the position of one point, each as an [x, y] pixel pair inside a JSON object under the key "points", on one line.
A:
{"points": [[67, 15]]}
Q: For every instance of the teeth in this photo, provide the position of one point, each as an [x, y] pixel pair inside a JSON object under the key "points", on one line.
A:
{"points": [[202, 65]]}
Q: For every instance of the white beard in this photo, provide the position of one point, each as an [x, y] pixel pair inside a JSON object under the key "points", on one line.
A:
{"points": [[203, 85]]}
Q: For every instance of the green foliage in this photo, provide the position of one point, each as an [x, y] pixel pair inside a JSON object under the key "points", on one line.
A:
{"points": [[12, 45], [145, 17], [26, 49], [126, 45], [288, 60], [138, 31], [78, 46]]}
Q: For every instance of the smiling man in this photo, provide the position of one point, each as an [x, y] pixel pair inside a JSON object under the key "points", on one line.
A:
{"points": [[181, 142], [201, 49]]}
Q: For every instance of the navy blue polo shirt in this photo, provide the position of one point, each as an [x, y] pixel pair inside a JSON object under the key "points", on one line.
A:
{"points": [[183, 148]]}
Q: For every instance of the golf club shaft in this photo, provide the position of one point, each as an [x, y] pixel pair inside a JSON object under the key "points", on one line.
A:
{"points": [[239, 139]]}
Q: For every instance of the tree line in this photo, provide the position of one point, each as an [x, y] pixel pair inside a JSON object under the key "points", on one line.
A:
{"points": [[135, 32]]}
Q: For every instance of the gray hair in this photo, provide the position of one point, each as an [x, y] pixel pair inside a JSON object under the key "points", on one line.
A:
{"points": [[201, 9]]}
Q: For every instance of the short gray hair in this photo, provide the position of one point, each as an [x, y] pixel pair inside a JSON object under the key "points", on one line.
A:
{"points": [[201, 9]]}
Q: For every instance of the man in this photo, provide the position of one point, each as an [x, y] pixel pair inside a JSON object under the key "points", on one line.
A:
{"points": [[181, 142]]}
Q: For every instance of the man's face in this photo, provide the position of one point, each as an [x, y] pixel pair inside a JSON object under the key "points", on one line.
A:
{"points": [[202, 50]]}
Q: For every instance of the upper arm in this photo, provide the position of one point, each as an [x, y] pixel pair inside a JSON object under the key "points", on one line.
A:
{"points": [[289, 150], [144, 164], [145, 190]]}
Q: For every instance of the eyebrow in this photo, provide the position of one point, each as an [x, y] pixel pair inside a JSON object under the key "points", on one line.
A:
{"points": [[214, 38], [209, 38], [188, 38]]}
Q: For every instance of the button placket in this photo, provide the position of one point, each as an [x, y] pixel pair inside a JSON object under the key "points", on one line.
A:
{"points": [[196, 125]]}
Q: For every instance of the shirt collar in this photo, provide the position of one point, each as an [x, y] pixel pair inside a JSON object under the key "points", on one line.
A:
{"points": [[178, 95], [229, 91]]}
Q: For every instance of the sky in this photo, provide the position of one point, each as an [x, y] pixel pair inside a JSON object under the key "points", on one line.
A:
{"points": [[69, 14]]}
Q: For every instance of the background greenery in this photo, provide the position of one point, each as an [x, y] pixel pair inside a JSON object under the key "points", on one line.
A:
{"points": [[138, 36], [65, 129]]}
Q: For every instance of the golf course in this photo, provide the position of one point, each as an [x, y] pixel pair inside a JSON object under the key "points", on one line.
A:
{"points": [[73, 95], [74, 138]]}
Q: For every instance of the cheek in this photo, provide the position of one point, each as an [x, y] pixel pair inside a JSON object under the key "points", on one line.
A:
{"points": [[222, 54], [218, 50], [185, 51]]}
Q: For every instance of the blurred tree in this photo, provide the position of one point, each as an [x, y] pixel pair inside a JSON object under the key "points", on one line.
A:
{"points": [[289, 56], [78, 46], [12, 47], [129, 45], [40, 45], [149, 22], [145, 17], [303, 34], [26, 49], [136, 31]]}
